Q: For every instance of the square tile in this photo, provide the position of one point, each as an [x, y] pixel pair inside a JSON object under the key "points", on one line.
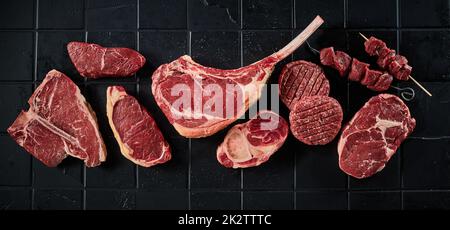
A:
{"points": [[13, 99], [52, 53], [332, 12], [214, 14], [18, 14], [15, 199], [118, 14], [15, 163], [325, 200], [429, 200], [267, 14], [162, 200], [426, 163], [163, 14], [17, 56], [268, 200], [68, 174], [216, 49], [375, 200], [416, 13], [57, 14], [110, 200], [366, 13], [428, 54], [317, 166], [430, 123], [51, 199], [215, 200]]}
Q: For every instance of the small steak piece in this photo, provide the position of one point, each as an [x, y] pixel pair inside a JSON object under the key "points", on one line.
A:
{"points": [[252, 143], [139, 138], [357, 70], [327, 56], [371, 77], [316, 120], [94, 61], [397, 63], [342, 62], [373, 46], [386, 56], [300, 79], [404, 72], [383, 83], [59, 122], [373, 135]]}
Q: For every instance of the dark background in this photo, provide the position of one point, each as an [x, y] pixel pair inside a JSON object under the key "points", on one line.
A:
{"points": [[224, 34]]}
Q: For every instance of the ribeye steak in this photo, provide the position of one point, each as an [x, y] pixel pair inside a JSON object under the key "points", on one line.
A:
{"points": [[209, 97], [59, 123], [139, 138], [373, 135], [252, 143]]}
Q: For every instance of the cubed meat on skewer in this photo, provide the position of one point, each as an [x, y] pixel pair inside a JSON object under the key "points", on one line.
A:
{"points": [[371, 77], [383, 82], [385, 56], [357, 70], [373, 46], [337, 60]]}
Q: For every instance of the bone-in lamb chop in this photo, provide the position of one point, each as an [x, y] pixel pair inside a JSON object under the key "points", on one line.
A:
{"points": [[189, 94]]}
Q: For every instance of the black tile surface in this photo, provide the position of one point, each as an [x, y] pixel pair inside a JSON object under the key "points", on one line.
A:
{"points": [[214, 14], [52, 53], [15, 199], [416, 13], [157, 14], [162, 200], [215, 200], [426, 163], [321, 200], [17, 56], [216, 49], [15, 163], [61, 14], [68, 174], [332, 11], [267, 14], [426, 200], [268, 200], [375, 200], [366, 13], [110, 199], [105, 14], [48, 199], [17, 14], [13, 99]]}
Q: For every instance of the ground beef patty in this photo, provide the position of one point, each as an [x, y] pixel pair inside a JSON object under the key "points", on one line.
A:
{"points": [[316, 120], [300, 79]]}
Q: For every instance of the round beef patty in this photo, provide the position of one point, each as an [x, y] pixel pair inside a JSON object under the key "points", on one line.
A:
{"points": [[316, 120], [301, 79]]}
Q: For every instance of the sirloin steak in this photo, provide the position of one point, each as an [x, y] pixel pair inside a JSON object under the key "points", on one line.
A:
{"points": [[210, 105], [59, 123], [139, 138], [252, 143], [94, 61], [373, 135]]}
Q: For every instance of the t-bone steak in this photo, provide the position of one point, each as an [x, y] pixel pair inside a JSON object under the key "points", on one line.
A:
{"points": [[215, 97], [300, 79], [373, 135], [139, 138], [94, 61], [59, 123], [252, 143], [316, 120]]}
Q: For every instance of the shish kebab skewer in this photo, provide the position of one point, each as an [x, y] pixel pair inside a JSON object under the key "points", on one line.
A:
{"points": [[409, 76], [406, 93]]}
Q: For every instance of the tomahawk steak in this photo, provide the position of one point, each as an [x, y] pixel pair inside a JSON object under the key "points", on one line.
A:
{"points": [[252, 143], [373, 135], [139, 138], [94, 61], [199, 101], [59, 123]]}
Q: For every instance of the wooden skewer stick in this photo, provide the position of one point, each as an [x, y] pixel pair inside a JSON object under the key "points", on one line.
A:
{"points": [[414, 80]]}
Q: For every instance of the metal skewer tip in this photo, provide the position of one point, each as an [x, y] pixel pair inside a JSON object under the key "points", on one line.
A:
{"points": [[414, 80]]}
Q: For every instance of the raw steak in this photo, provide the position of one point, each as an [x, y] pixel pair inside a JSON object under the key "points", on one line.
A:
{"points": [[139, 138], [214, 98], [373, 135], [301, 79], [316, 120], [59, 123], [95, 61], [252, 143]]}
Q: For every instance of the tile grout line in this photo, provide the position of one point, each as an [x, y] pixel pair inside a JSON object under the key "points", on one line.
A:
{"points": [[241, 50], [348, 91], [189, 41], [85, 88], [136, 171], [230, 30]]}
